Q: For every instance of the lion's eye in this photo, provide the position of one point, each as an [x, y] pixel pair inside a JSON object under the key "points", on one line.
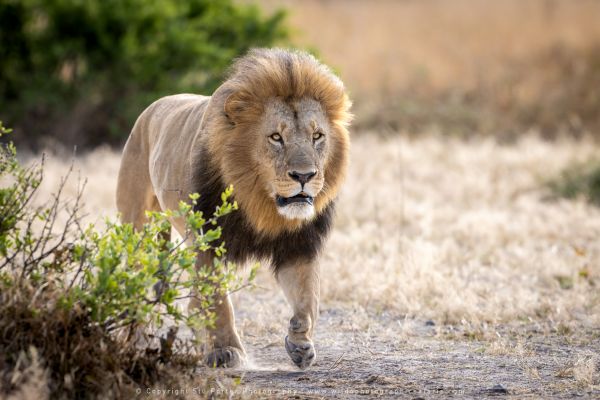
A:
{"points": [[317, 136], [276, 137]]}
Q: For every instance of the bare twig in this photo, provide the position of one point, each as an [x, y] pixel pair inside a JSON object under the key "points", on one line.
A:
{"points": [[335, 364]]}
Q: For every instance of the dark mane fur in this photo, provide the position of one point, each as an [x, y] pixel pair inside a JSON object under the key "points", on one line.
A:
{"points": [[241, 240]]}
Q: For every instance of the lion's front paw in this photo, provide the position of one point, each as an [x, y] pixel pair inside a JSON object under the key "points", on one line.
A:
{"points": [[303, 354], [225, 357]]}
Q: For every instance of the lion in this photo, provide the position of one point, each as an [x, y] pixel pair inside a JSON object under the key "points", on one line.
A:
{"points": [[277, 130]]}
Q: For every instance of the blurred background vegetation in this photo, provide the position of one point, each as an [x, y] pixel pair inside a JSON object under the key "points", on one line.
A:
{"points": [[79, 72], [461, 67]]}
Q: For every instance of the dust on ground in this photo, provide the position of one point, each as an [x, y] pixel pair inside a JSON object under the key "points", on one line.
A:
{"points": [[365, 354]]}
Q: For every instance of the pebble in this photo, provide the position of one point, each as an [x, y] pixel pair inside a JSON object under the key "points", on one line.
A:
{"points": [[498, 389]]}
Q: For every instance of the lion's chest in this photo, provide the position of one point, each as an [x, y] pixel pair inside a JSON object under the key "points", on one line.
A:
{"points": [[243, 244]]}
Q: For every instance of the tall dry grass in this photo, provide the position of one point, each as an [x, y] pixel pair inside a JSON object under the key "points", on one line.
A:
{"points": [[451, 230], [445, 229]]}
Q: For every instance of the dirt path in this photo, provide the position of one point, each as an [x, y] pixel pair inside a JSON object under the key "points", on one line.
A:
{"points": [[364, 355]]}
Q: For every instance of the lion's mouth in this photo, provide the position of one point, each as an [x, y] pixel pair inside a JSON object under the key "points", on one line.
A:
{"points": [[299, 198]]}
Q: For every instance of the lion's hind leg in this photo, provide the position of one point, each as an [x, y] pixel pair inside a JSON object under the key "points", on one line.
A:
{"points": [[135, 195]]}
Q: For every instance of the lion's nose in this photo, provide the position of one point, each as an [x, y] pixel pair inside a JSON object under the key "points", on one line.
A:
{"points": [[303, 178]]}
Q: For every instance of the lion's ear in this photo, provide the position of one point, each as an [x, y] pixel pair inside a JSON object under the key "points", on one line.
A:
{"points": [[233, 107], [241, 107]]}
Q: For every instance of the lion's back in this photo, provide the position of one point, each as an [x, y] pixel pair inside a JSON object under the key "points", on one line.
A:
{"points": [[161, 141], [183, 111]]}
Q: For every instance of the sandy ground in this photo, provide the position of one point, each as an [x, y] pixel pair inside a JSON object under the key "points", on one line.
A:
{"points": [[450, 270], [377, 358]]}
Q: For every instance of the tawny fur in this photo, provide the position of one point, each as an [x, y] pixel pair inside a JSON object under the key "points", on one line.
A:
{"points": [[184, 143]]}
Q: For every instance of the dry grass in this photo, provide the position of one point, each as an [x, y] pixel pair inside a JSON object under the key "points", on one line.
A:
{"points": [[30, 378], [585, 370], [463, 233], [99, 171], [444, 229]]}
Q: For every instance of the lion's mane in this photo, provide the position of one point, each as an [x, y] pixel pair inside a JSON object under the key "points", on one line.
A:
{"points": [[222, 154]]}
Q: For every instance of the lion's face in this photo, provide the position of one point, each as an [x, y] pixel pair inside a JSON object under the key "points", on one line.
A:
{"points": [[293, 146], [276, 129]]}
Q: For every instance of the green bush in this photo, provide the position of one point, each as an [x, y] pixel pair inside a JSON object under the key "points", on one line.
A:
{"points": [[81, 71], [79, 296], [579, 180]]}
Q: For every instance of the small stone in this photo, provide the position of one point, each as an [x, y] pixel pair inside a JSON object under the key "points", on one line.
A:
{"points": [[498, 389]]}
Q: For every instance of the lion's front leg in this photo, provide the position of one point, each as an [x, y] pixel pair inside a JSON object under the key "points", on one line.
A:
{"points": [[224, 345], [300, 283]]}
